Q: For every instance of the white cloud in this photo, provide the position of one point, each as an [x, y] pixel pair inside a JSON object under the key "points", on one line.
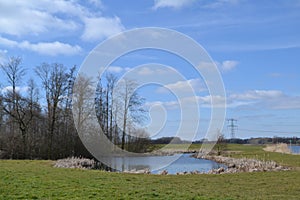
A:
{"points": [[266, 99], [3, 56], [202, 101], [253, 100], [229, 65], [44, 48], [172, 3], [34, 17], [18, 89], [57, 17], [101, 27], [255, 47], [206, 101], [8, 43], [169, 105], [52, 49], [183, 86], [258, 94], [115, 69], [288, 102], [177, 4], [146, 71], [207, 66], [219, 3]]}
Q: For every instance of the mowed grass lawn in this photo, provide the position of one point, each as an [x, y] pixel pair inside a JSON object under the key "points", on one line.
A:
{"points": [[39, 180]]}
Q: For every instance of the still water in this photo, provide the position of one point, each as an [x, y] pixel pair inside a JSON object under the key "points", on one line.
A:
{"points": [[172, 164], [295, 149]]}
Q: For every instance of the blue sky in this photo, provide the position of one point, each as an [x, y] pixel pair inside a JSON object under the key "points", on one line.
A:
{"points": [[255, 44]]}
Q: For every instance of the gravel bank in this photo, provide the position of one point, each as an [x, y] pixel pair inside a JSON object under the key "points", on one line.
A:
{"points": [[235, 165]]}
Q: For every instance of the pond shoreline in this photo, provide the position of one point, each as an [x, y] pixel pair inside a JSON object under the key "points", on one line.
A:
{"points": [[234, 165], [237, 165]]}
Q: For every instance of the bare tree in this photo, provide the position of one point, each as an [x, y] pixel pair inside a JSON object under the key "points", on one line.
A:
{"points": [[31, 127], [1, 111], [69, 133], [16, 105], [14, 73], [111, 81], [82, 101], [54, 81], [2, 123], [99, 104], [130, 106], [221, 143], [34, 114]]}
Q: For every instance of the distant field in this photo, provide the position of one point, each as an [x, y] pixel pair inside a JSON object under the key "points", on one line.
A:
{"points": [[39, 180]]}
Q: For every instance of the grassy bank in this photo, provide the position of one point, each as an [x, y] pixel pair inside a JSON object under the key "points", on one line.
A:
{"points": [[39, 180]]}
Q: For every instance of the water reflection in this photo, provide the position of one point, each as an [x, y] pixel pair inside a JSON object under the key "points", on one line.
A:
{"points": [[158, 163], [295, 149]]}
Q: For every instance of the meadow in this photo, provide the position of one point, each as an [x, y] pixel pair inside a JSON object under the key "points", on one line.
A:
{"points": [[26, 179]]}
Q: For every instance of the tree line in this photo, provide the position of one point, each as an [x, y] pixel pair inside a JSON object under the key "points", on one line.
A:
{"points": [[36, 121]]}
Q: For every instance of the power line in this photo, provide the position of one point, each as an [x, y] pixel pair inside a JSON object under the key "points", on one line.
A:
{"points": [[232, 127]]}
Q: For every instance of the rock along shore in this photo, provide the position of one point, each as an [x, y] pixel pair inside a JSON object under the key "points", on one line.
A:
{"points": [[235, 165]]}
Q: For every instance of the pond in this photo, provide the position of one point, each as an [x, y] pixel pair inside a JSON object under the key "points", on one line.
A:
{"points": [[295, 149], [173, 164]]}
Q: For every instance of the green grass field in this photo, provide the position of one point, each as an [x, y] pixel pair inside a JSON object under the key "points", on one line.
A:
{"points": [[39, 180]]}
